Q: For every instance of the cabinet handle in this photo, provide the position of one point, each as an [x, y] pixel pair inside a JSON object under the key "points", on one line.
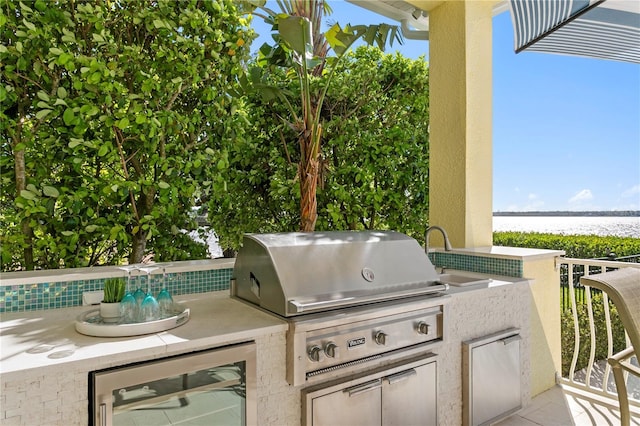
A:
{"points": [[365, 387], [511, 339], [103, 414], [403, 375]]}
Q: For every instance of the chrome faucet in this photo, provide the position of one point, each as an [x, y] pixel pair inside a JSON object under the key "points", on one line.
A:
{"points": [[447, 243]]}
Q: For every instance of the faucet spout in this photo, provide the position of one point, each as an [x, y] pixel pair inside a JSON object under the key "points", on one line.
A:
{"points": [[447, 243]]}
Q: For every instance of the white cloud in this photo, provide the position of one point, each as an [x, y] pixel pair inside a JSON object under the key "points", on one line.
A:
{"points": [[634, 190], [533, 197], [583, 195]]}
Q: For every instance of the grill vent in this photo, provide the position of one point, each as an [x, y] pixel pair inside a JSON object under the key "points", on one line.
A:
{"points": [[345, 365]]}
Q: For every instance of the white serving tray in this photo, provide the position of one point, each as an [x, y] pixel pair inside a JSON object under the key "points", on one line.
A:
{"points": [[90, 323]]}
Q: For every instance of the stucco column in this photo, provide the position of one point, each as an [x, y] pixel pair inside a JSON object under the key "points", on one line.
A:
{"points": [[546, 324], [460, 165]]}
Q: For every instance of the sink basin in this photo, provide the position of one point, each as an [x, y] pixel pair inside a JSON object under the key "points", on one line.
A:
{"points": [[462, 280]]}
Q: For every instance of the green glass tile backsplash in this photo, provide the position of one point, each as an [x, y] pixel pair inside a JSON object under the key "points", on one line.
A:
{"points": [[53, 295], [31, 297], [481, 264]]}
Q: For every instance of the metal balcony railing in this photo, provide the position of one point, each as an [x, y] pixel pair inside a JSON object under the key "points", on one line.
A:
{"points": [[591, 330]]}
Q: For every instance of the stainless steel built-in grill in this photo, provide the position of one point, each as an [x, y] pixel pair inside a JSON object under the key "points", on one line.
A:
{"points": [[354, 300], [297, 273]]}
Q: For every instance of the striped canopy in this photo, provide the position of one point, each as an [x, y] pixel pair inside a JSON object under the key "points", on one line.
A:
{"points": [[604, 29]]}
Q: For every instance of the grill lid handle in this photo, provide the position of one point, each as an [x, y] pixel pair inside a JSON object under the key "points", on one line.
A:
{"points": [[322, 304]]}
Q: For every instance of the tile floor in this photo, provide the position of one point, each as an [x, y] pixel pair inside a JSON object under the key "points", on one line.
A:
{"points": [[565, 407]]}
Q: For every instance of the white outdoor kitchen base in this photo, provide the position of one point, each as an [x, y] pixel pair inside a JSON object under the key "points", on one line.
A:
{"points": [[38, 388]]}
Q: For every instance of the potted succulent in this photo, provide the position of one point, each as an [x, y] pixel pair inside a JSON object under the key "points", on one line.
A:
{"points": [[114, 289]]}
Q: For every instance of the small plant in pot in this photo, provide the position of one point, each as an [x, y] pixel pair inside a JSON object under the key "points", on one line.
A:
{"points": [[114, 289]]}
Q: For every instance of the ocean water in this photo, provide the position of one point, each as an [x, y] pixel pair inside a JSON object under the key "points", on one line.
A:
{"points": [[570, 225]]}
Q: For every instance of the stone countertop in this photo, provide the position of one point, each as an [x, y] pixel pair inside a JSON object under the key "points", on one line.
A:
{"points": [[494, 281], [518, 253], [31, 342]]}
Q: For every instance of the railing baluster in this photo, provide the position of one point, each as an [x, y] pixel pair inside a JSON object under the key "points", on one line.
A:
{"points": [[592, 335], [576, 326], [607, 318], [575, 268]]}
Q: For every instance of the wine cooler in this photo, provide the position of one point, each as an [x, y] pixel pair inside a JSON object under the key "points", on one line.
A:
{"points": [[212, 387]]}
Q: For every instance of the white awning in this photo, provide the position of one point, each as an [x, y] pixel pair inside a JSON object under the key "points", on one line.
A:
{"points": [[604, 29]]}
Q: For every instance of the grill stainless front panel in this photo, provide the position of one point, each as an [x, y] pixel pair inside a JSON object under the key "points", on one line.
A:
{"points": [[330, 345]]}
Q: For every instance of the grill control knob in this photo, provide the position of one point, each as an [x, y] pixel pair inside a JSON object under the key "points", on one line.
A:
{"points": [[331, 350], [380, 338], [423, 328], [315, 353]]}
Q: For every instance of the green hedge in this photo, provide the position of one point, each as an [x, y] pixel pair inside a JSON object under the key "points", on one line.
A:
{"points": [[576, 246]]}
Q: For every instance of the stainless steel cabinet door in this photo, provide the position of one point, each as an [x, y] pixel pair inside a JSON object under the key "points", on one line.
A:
{"points": [[409, 397], [403, 394], [354, 406], [491, 378]]}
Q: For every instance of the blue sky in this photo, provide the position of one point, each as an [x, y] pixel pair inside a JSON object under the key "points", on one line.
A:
{"points": [[566, 130]]}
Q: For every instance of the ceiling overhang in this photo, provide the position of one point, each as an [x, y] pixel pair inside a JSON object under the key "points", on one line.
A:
{"points": [[413, 15]]}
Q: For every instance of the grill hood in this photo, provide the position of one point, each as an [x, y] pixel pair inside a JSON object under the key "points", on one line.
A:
{"points": [[298, 273]]}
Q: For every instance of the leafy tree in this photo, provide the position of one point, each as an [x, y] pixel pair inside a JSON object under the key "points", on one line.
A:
{"points": [[375, 154], [112, 117], [302, 50]]}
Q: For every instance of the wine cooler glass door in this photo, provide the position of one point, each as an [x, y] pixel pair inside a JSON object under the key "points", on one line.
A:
{"points": [[215, 387]]}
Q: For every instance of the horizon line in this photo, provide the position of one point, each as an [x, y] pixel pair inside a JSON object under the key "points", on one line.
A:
{"points": [[632, 213]]}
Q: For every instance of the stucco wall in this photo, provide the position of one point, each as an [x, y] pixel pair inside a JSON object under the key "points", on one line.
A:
{"points": [[460, 138], [60, 397], [545, 324], [476, 314]]}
